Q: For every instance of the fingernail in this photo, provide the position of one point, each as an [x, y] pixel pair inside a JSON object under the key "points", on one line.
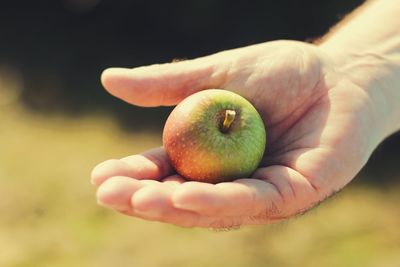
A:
{"points": [[92, 175], [183, 205], [120, 208], [149, 213]]}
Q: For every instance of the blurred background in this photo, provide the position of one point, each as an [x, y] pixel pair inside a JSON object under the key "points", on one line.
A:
{"points": [[56, 123]]}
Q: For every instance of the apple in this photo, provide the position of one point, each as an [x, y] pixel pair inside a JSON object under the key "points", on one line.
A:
{"points": [[214, 136]]}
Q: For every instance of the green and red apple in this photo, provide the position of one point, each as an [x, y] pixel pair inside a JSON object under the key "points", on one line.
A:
{"points": [[214, 136]]}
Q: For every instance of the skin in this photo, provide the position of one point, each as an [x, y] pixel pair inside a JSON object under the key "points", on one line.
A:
{"points": [[326, 107]]}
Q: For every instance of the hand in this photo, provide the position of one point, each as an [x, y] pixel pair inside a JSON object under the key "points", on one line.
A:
{"points": [[318, 125]]}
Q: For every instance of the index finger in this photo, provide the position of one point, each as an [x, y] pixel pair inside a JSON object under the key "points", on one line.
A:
{"points": [[152, 165]]}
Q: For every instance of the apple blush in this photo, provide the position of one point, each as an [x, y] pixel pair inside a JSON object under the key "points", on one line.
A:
{"points": [[214, 136]]}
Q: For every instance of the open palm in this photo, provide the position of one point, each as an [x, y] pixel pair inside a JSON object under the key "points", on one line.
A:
{"points": [[318, 127]]}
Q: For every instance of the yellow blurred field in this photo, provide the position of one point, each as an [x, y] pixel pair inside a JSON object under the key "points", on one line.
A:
{"points": [[49, 217]]}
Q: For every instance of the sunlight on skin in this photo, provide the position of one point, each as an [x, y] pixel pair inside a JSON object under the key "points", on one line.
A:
{"points": [[301, 174], [322, 127]]}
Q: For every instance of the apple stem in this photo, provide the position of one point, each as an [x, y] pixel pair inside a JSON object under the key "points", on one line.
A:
{"points": [[229, 118]]}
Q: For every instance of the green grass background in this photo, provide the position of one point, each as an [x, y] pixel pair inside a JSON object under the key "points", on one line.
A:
{"points": [[49, 216]]}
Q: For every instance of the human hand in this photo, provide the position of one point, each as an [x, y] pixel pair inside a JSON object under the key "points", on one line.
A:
{"points": [[321, 129]]}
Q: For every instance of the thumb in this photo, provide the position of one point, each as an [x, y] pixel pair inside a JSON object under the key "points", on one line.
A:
{"points": [[164, 84]]}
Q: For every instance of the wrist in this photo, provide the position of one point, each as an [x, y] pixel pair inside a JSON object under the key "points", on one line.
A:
{"points": [[377, 72]]}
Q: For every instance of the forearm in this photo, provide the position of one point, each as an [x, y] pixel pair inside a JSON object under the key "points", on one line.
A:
{"points": [[366, 47]]}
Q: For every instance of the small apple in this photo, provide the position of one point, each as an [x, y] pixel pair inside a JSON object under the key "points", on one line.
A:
{"points": [[214, 136]]}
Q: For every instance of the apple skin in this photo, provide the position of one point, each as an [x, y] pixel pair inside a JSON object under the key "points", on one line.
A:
{"points": [[200, 150]]}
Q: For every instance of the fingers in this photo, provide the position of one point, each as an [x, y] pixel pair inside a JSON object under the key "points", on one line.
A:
{"points": [[280, 193], [147, 199], [152, 164], [244, 197], [277, 193], [152, 200], [117, 191], [164, 84], [154, 203]]}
